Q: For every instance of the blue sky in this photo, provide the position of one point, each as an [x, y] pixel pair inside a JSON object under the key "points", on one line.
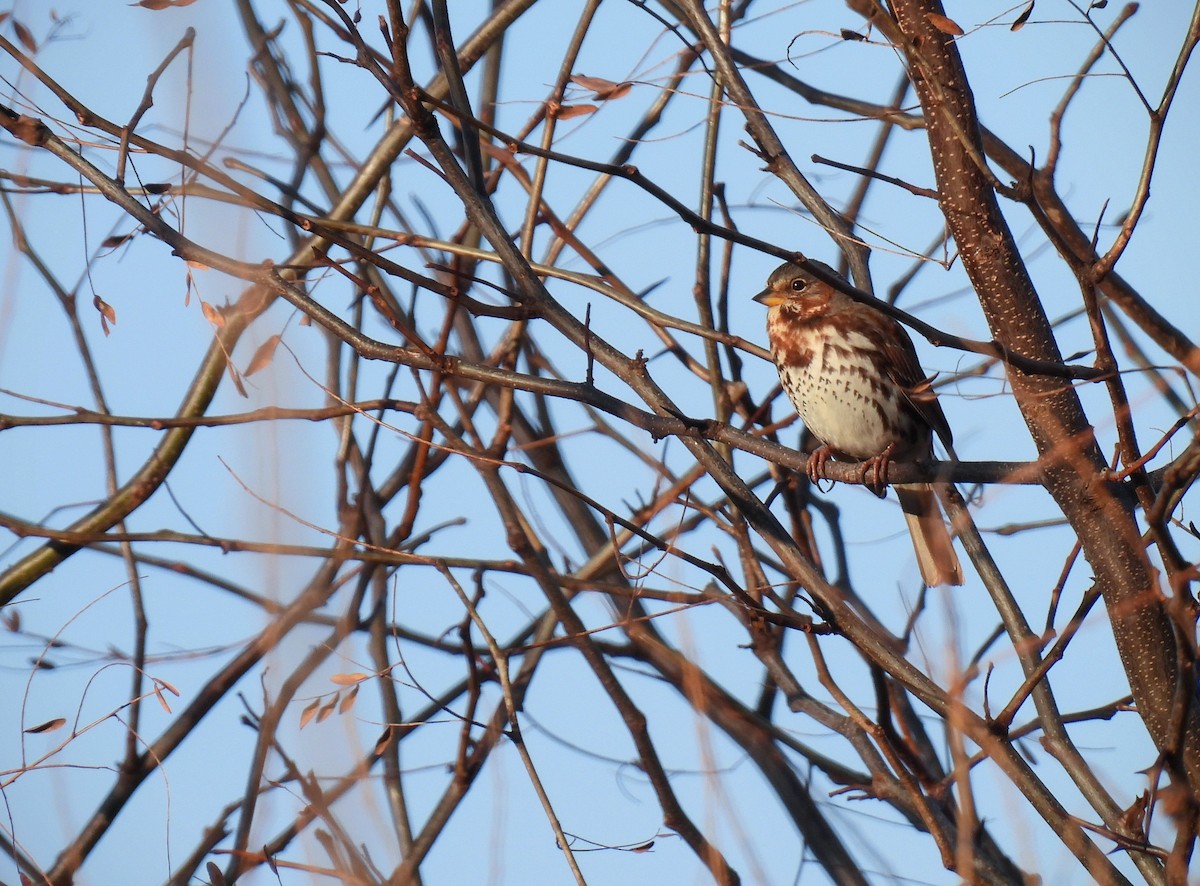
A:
{"points": [[272, 481]]}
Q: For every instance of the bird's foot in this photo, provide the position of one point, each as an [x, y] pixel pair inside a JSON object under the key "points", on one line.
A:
{"points": [[816, 463], [875, 471]]}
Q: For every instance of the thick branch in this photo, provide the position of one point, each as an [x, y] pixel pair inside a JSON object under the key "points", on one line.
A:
{"points": [[1074, 466]]}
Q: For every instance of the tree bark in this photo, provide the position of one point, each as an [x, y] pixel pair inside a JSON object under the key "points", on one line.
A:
{"points": [[1074, 469]]}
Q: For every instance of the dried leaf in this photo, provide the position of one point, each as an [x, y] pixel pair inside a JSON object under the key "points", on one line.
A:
{"points": [[1097, 4], [212, 315], [215, 877], [309, 712], [25, 36], [108, 313], [161, 699], [162, 4], [945, 25], [12, 619], [236, 378], [348, 679], [604, 89], [198, 265], [116, 240], [48, 726], [566, 112], [1020, 20], [4, 16], [847, 34], [619, 91], [328, 709], [270, 860], [595, 84], [167, 686], [348, 702], [645, 847], [263, 356]]}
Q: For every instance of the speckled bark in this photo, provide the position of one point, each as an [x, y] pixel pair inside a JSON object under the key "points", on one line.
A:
{"points": [[1074, 467]]}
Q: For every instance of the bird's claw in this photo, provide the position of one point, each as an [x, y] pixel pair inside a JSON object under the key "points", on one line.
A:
{"points": [[875, 471], [816, 463]]}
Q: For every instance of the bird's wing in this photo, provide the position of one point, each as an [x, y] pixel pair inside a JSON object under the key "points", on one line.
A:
{"points": [[905, 372]]}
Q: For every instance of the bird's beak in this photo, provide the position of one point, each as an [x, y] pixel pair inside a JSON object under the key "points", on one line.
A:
{"points": [[770, 298]]}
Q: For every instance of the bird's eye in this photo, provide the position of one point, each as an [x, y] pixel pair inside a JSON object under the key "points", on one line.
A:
{"points": [[798, 284]]}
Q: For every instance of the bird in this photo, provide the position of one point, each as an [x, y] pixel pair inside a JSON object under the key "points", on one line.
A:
{"points": [[852, 374]]}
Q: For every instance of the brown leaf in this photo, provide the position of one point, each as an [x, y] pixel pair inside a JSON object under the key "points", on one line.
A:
{"points": [[328, 709], [108, 314], [348, 702], [847, 34], [116, 240], [162, 4], [1020, 20], [566, 112], [212, 315], [604, 89], [945, 25], [215, 876], [25, 36], [263, 356], [309, 712], [645, 847], [348, 679], [106, 309], [161, 698], [12, 619], [236, 378], [595, 84], [167, 686], [48, 726]]}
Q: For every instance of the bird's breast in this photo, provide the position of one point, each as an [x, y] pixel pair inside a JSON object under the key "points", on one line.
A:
{"points": [[837, 380]]}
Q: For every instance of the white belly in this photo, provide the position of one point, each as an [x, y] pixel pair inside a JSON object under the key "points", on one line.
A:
{"points": [[840, 407]]}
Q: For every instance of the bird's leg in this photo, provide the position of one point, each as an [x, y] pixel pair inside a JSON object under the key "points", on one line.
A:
{"points": [[816, 463], [876, 469]]}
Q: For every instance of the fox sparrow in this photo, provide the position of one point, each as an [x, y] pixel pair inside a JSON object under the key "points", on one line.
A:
{"points": [[852, 373]]}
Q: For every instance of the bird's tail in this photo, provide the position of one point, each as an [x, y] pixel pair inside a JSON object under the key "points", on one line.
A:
{"points": [[931, 540]]}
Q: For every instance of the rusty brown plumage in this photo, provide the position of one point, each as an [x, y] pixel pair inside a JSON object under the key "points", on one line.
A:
{"points": [[852, 373]]}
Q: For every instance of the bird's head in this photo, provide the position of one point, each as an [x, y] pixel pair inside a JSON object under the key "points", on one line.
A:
{"points": [[792, 286]]}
